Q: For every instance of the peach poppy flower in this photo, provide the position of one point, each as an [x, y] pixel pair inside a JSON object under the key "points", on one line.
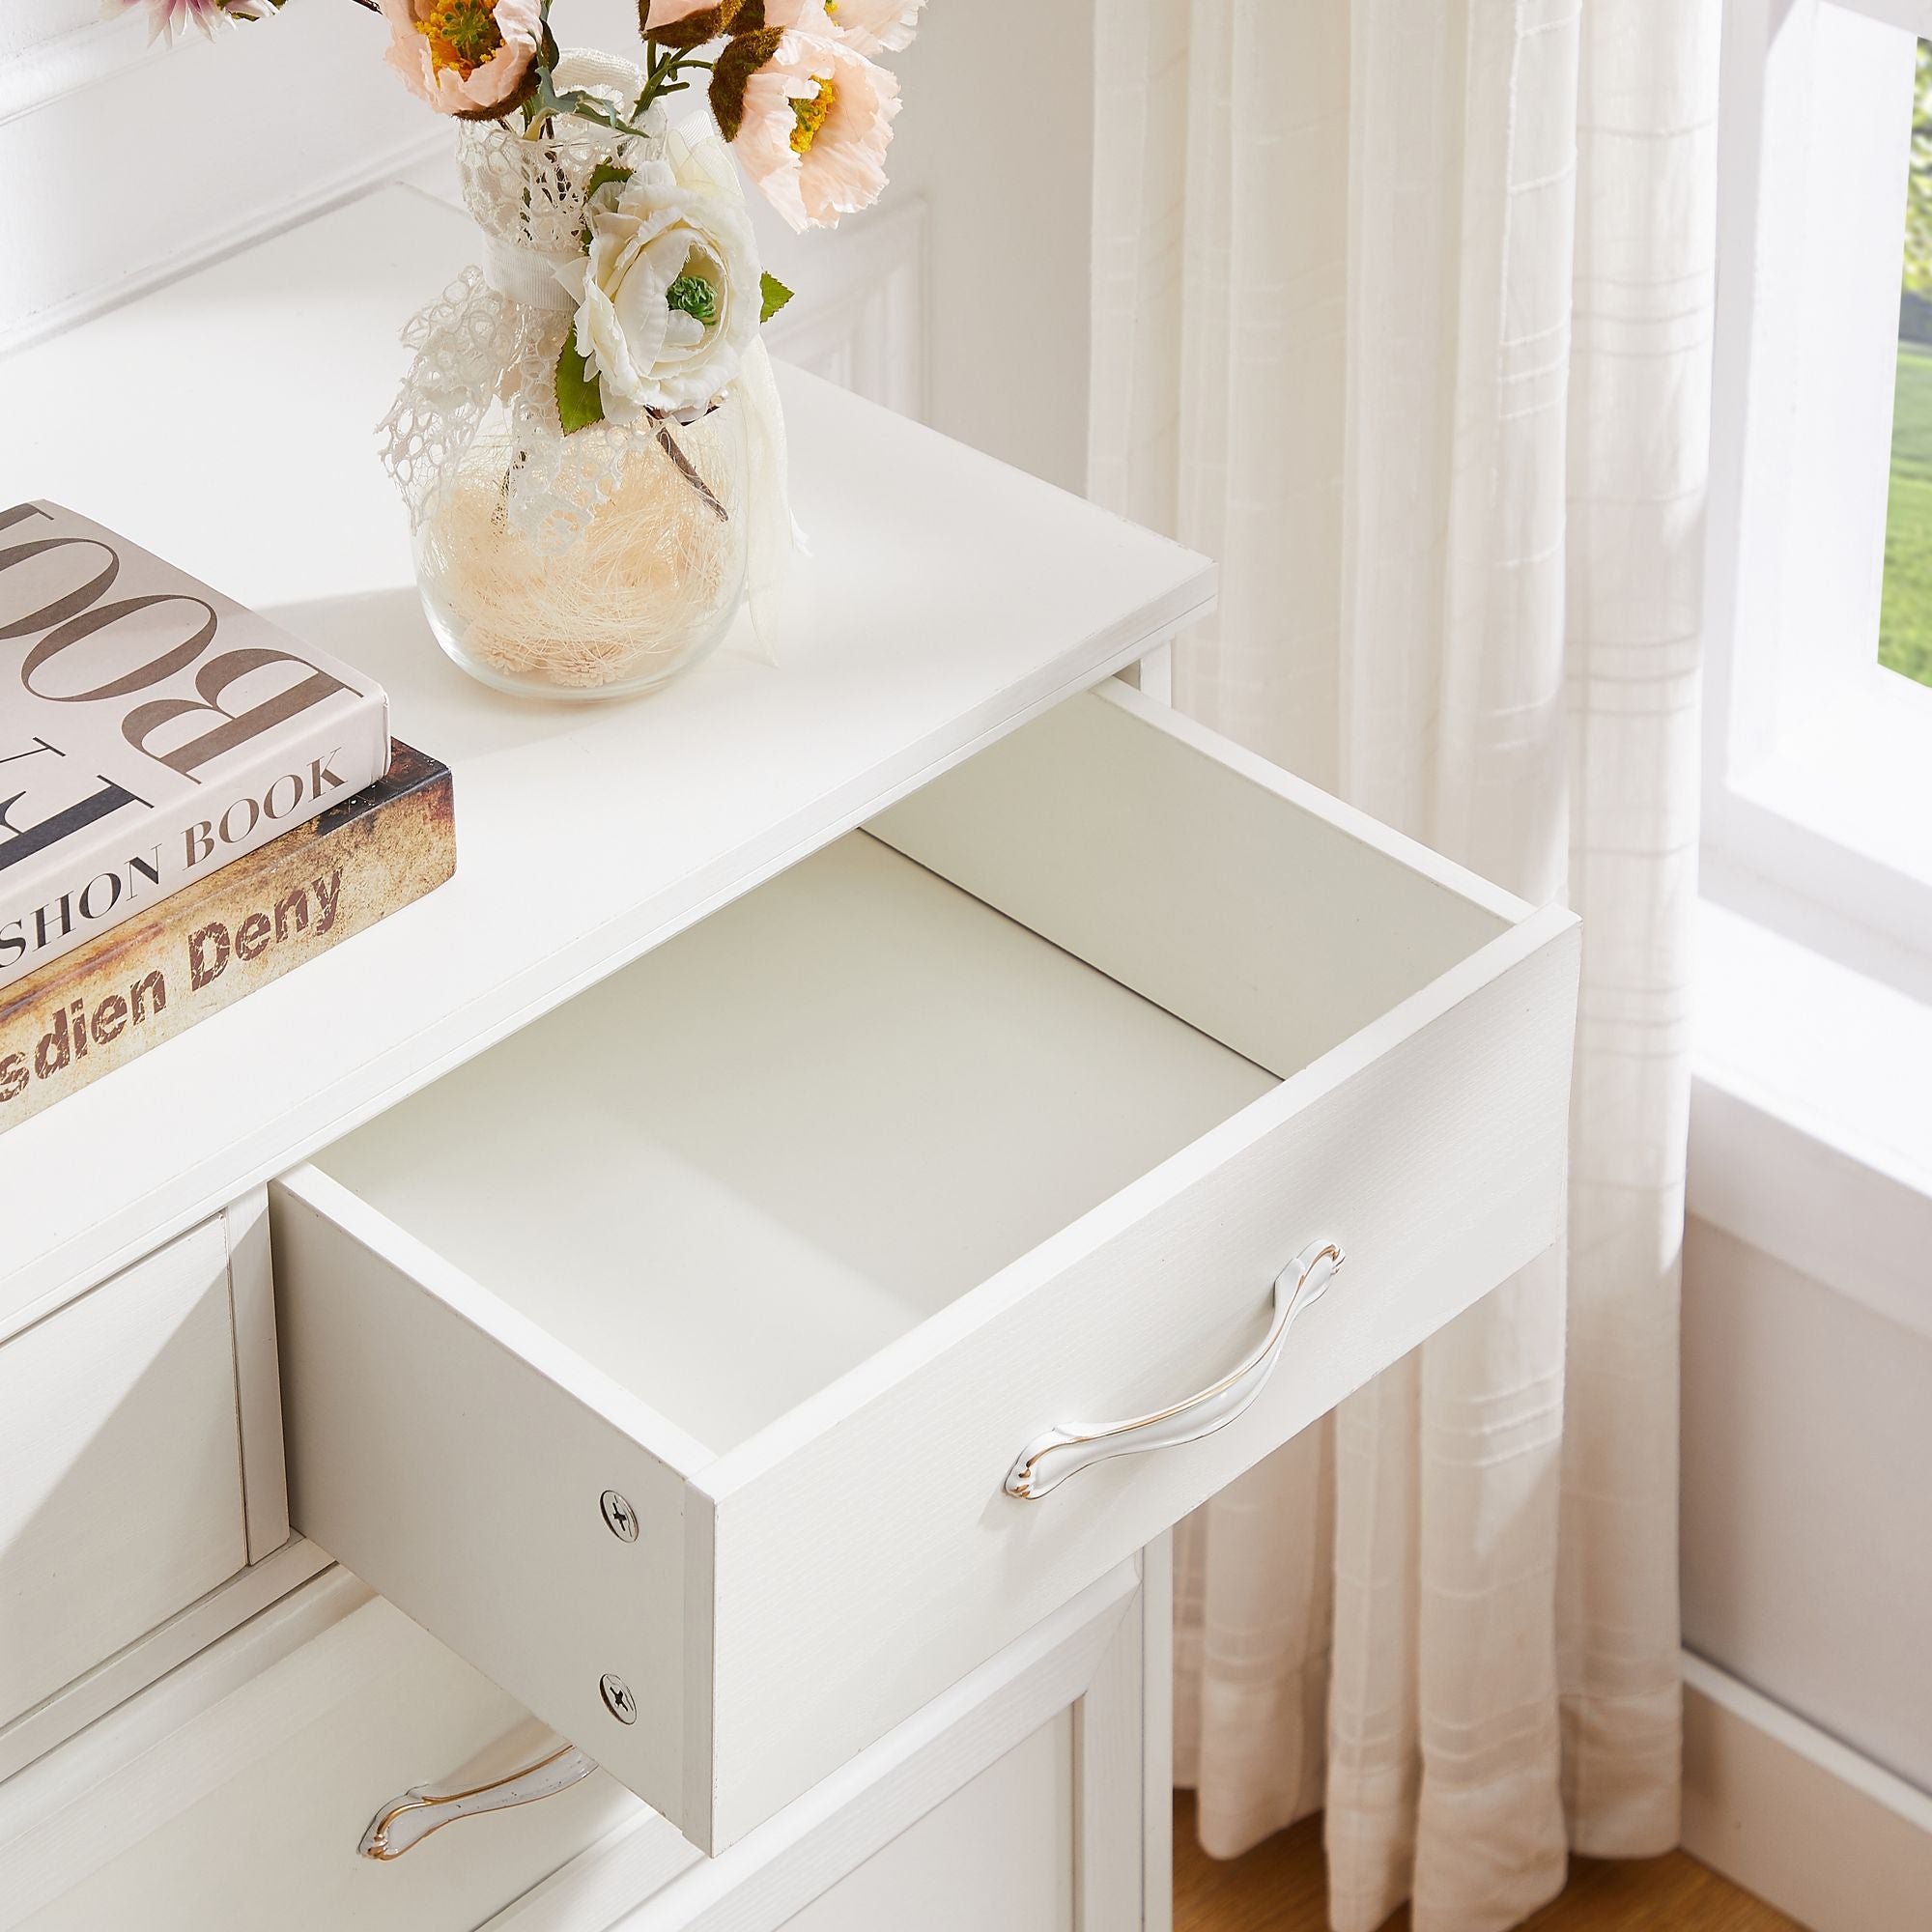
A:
{"points": [[817, 121], [811, 16], [872, 26], [667, 13], [466, 57], [868, 27]]}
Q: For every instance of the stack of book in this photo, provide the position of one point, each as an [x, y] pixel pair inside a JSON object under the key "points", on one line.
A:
{"points": [[192, 803]]}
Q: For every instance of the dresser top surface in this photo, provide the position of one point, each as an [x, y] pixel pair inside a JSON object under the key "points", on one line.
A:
{"points": [[225, 421]]}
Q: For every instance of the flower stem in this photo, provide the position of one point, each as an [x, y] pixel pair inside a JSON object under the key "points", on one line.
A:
{"points": [[688, 471], [665, 69]]}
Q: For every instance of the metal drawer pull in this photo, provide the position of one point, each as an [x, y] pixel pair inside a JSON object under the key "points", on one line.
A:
{"points": [[1048, 1461], [408, 1820]]}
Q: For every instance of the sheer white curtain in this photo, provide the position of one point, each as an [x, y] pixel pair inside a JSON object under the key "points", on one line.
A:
{"points": [[1401, 311]]}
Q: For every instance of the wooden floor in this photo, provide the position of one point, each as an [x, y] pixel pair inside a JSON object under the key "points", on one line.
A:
{"points": [[1281, 1887]]}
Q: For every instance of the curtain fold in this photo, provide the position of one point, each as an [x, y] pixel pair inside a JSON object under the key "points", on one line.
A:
{"points": [[1402, 313]]}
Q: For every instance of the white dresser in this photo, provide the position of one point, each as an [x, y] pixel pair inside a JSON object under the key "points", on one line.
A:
{"points": [[694, 1266]]}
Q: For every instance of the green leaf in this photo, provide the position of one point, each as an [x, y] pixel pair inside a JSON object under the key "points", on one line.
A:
{"points": [[604, 171], [774, 294], [579, 402], [547, 101], [587, 107]]}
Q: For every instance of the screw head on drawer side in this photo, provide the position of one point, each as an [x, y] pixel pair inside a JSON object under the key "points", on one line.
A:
{"points": [[617, 1697], [619, 1515]]}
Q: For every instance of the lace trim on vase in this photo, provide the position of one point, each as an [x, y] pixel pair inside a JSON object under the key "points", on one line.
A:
{"points": [[480, 343]]}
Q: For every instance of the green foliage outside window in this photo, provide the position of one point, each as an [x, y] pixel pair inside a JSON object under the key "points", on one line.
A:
{"points": [[1918, 181], [1905, 616]]}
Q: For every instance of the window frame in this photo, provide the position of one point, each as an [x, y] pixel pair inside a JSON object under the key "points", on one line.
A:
{"points": [[1817, 788]]}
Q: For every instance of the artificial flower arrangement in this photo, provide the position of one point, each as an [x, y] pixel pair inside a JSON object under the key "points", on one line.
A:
{"points": [[589, 440]]}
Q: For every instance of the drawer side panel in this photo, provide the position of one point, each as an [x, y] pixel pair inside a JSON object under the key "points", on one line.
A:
{"points": [[1264, 913], [462, 1479]]}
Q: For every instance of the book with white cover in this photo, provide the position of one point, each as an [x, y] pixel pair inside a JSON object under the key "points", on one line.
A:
{"points": [[151, 729]]}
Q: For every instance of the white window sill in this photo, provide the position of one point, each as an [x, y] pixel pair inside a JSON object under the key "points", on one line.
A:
{"points": [[1812, 1115]]}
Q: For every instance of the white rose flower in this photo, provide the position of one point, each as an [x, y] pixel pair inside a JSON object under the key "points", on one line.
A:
{"points": [[667, 295]]}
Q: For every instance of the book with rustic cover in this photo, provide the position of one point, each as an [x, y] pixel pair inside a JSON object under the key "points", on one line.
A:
{"points": [[212, 943], [151, 730]]}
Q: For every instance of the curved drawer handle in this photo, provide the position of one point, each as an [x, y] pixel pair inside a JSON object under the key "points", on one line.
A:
{"points": [[1048, 1460], [408, 1820]]}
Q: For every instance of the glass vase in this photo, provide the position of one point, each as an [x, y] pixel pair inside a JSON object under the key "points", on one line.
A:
{"points": [[592, 563], [647, 584]]}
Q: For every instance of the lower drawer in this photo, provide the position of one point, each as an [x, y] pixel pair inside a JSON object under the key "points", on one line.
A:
{"points": [[996, 1856], [235, 1795], [125, 1419]]}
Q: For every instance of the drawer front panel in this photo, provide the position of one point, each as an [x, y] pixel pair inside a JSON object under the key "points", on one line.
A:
{"points": [[998, 1853], [861, 1568], [121, 1440]]}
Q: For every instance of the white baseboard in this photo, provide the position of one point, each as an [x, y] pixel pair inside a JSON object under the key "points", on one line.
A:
{"points": [[1798, 1818]]}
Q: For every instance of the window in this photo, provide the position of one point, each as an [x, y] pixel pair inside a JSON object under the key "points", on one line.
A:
{"points": [[1905, 613], [1818, 740]]}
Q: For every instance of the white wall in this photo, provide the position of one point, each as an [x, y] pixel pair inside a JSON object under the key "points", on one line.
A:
{"points": [[123, 165], [998, 133], [33, 23], [1807, 1499], [995, 140]]}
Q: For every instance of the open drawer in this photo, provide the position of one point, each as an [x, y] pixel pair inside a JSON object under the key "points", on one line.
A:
{"points": [[671, 1360]]}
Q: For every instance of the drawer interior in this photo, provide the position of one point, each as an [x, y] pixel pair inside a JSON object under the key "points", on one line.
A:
{"points": [[737, 1169], [734, 1171]]}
